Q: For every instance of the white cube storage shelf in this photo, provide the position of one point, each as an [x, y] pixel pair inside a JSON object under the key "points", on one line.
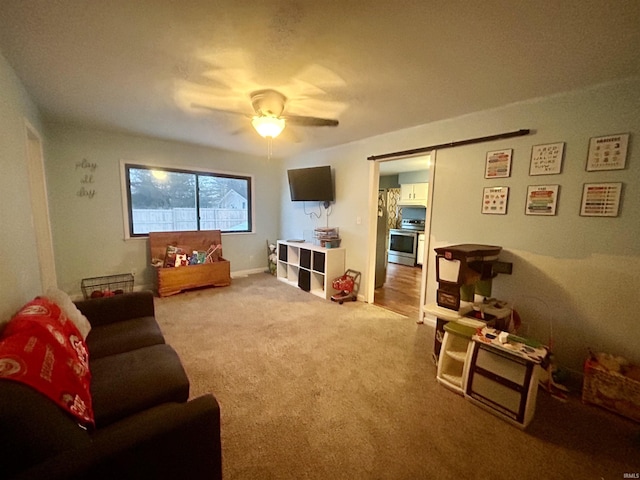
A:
{"points": [[310, 267]]}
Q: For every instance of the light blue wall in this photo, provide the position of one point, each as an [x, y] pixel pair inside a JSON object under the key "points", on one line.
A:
{"points": [[389, 181], [88, 233], [20, 274], [421, 176], [578, 274]]}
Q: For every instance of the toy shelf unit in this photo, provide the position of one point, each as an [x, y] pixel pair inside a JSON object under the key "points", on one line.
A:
{"points": [[310, 267]]}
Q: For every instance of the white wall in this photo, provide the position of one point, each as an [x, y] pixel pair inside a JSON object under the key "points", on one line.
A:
{"points": [[20, 274], [586, 269], [88, 233]]}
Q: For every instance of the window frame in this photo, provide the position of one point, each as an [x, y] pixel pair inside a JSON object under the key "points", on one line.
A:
{"points": [[126, 194]]}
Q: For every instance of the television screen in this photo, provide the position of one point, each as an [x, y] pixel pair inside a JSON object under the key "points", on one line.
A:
{"points": [[311, 184]]}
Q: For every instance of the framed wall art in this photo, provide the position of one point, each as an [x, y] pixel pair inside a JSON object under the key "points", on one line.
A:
{"points": [[495, 200], [498, 164], [601, 199], [608, 152], [546, 159], [542, 199]]}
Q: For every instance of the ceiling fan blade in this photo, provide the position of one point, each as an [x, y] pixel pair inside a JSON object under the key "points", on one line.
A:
{"points": [[309, 121]]}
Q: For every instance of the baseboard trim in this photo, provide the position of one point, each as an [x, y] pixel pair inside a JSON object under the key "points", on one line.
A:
{"points": [[236, 274], [429, 320], [245, 273]]}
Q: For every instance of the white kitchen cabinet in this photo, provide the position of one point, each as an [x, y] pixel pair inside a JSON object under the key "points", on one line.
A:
{"points": [[310, 267], [414, 194]]}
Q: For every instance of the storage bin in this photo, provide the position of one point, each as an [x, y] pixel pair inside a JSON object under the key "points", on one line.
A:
{"points": [[611, 390]]}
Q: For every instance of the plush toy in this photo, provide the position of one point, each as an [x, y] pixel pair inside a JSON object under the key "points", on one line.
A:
{"points": [[181, 260], [157, 262]]}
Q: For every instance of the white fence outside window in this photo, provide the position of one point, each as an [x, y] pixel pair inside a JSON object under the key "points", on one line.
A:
{"points": [[180, 219]]}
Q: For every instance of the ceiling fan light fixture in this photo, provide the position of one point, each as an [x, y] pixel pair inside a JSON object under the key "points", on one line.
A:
{"points": [[268, 126]]}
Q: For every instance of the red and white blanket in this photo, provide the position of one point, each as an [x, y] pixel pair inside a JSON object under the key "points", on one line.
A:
{"points": [[42, 348]]}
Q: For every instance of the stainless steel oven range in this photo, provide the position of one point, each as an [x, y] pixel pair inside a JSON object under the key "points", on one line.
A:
{"points": [[403, 242]]}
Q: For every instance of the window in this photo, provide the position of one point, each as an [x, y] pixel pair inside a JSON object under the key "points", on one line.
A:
{"points": [[166, 199]]}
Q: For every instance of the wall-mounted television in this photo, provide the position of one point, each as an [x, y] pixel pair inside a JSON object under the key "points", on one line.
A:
{"points": [[313, 184]]}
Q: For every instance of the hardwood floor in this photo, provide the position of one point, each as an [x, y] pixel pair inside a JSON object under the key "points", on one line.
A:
{"points": [[401, 290]]}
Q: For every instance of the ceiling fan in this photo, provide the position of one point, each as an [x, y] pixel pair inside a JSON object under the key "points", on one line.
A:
{"points": [[269, 118]]}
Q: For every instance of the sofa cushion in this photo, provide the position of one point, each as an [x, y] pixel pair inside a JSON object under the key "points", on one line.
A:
{"points": [[33, 428], [124, 336], [130, 382]]}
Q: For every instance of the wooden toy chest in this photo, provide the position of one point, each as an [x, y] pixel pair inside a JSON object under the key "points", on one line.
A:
{"points": [[172, 280]]}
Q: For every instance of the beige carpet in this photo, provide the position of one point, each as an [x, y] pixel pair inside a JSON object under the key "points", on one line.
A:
{"points": [[310, 389]]}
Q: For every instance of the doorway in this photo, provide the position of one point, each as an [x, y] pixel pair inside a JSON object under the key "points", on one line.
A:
{"points": [[400, 292], [399, 287], [40, 208]]}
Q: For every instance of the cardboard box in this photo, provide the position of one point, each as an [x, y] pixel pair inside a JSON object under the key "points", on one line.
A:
{"points": [[611, 390]]}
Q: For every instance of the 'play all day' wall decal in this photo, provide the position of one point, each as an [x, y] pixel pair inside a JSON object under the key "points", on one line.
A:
{"points": [[87, 171]]}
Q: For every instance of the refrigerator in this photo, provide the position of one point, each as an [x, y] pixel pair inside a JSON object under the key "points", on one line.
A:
{"points": [[381, 239]]}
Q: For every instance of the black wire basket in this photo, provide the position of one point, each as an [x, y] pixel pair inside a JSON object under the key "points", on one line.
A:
{"points": [[107, 286]]}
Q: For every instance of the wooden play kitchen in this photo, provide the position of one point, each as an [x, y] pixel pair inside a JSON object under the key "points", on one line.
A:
{"points": [[209, 269]]}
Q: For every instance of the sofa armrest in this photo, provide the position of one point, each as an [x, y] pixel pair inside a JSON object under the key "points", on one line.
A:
{"points": [[104, 310], [166, 442]]}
